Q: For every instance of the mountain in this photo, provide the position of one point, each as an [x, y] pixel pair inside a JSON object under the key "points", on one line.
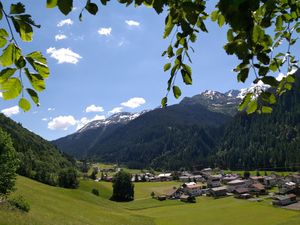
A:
{"points": [[79, 143], [267, 141], [162, 138], [39, 159], [216, 101]]}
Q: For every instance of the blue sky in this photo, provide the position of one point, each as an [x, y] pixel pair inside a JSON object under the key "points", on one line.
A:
{"points": [[109, 63]]}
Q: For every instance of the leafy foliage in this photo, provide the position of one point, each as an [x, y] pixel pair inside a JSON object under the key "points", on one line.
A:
{"points": [[8, 164], [256, 31], [16, 64], [123, 188]]}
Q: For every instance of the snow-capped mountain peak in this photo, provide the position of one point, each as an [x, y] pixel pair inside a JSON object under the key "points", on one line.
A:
{"points": [[256, 89], [118, 118]]}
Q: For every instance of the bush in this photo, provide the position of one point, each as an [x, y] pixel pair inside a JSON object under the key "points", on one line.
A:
{"points": [[95, 191], [20, 203]]}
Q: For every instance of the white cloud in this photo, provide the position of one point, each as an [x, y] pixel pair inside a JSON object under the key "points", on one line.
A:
{"points": [[116, 110], [84, 120], [65, 22], [62, 122], [132, 23], [51, 109], [94, 108], [11, 111], [105, 31], [0, 94], [64, 55], [44, 119], [59, 37], [134, 102]]}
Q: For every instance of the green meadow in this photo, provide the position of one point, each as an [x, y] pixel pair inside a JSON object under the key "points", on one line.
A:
{"points": [[57, 206]]}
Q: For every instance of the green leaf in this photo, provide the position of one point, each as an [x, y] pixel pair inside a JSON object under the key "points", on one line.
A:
{"points": [[270, 81], [214, 15], [243, 75], [164, 102], [3, 33], [158, 5], [266, 109], [252, 107], [92, 8], [167, 66], [230, 36], [245, 101], [187, 78], [264, 58], [36, 80], [8, 56], [279, 23], [24, 104], [3, 42], [11, 88], [34, 96], [221, 20], [36, 55], [268, 97], [51, 3], [176, 92], [168, 26], [24, 29], [65, 6], [20, 63], [17, 8], [6, 73], [39, 63], [104, 2], [187, 68]]}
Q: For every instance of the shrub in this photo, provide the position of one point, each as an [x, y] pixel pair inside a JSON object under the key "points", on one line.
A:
{"points": [[20, 203], [95, 191]]}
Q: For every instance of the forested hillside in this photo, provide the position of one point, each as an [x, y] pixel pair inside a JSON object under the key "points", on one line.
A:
{"points": [[168, 138], [39, 159], [264, 141]]}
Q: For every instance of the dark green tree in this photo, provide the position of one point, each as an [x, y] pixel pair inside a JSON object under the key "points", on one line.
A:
{"points": [[123, 188], [68, 178], [246, 174], [93, 176], [8, 164]]}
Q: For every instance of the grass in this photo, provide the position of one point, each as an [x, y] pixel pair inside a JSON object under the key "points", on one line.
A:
{"points": [[57, 206]]}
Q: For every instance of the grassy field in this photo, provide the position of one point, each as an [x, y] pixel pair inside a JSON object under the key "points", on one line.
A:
{"points": [[53, 206]]}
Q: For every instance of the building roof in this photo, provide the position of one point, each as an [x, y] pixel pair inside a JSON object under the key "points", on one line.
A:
{"points": [[235, 182], [196, 186], [258, 186], [171, 192], [257, 177], [164, 175], [242, 190], [219, 189]]}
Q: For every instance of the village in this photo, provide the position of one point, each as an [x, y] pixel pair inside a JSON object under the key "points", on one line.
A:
{"points": [[284, 191]]}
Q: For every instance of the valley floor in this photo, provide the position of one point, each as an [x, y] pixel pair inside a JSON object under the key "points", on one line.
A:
{"points": [[57, 206]]}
